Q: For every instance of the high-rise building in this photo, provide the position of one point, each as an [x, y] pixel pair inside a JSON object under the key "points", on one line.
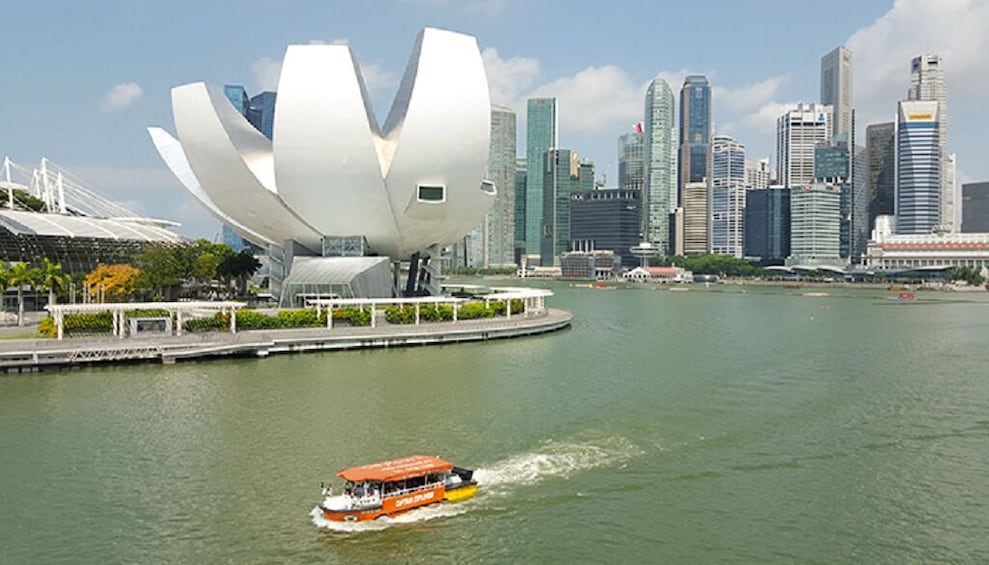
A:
{"points": [[262, 113], [238, 97], [520, 185], [918, 167], [695, 131], [767, 224], [975, 207], [881, 154], [565, 174], [659, 139], [727, 196], [798, 131], [606, 220], [927, 83], [696, 217], [758, 174], [832, 165], [815, 225], [836, 88], [631, 169], [540, 137], [499, 236]]}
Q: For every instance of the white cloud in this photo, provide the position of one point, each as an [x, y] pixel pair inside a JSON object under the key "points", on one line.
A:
{"points": [[749, 96], [596, 99], [267, 70], [377, 77], [508, 78], [266, 73], [121, 96], [487, 8]]}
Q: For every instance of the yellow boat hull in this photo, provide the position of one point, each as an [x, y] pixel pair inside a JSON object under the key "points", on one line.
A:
{"points": [[462, 493]]}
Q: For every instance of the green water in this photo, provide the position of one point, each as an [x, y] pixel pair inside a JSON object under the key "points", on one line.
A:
{"points": [[681, 427]]}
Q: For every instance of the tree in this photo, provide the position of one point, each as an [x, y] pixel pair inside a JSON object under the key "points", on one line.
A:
{"points": [[240, 266], [52, 277], [112, 283], [19, 275], [161, 270]]}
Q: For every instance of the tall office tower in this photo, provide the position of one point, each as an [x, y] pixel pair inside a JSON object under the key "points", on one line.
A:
{"points": [[606, 220], [815, 224], [860, 205], [660, 189], [499, 238], [238, 97], [767, 224], [798, 131], [727, 196], [836, 88], [758, 173], [564, 175], [695, 131], [951, 174], [918, 167], [261, 114], [540, 137], [927, 83], [696, 218], [630, 160], [975, 207], [520, 182], [881, 155], [832, 165]]}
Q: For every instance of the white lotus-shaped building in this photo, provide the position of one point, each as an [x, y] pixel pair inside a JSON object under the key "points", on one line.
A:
{"points": [[330, 171]]}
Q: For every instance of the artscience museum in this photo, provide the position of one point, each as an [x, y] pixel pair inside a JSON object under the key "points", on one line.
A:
{"points": [[334, 190]]}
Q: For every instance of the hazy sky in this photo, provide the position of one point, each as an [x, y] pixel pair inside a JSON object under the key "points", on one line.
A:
{"points": [[81, 80]]}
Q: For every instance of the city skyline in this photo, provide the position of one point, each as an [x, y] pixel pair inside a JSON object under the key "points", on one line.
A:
{"points": [[599, 84]]}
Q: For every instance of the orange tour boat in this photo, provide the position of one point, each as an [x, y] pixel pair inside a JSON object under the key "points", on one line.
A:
{"points": [[398, 485]]}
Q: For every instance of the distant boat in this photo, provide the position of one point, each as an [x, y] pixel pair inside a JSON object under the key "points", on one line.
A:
{"points": [[816, 294], [902, 297]]}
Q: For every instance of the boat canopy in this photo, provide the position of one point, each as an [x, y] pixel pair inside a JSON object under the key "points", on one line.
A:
{"points": [[396, 469]]}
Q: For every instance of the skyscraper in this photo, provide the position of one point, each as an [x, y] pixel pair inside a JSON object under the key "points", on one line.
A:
{"points": [[881, 155], [767, 224], [500, 220], [660, 188], [758, 173], [520, 182], [927, 83], [630, 160], [540, 137], [564, 174], [695, 130], [696, 217], [727, 196], [262, 113], [238, 97], [815, 224], [836, 88], [918, 167], [833, 165], [798, 131], [975, 209], [606, 220]]}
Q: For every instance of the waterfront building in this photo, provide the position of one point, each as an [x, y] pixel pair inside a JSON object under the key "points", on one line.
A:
{"points": [[832, 165], [696, 218], [238, 97], [606, 220], [520, 186], [695, 131], [727, 196], [660, 188], [767, 224], [918, 167], [975, 207], [888, 250], [758, 174], [881, 150], [499, 223], [565, 174], [815, 225], [592, 264], [798, 131], [261, 114], [836, 88], [540, 136], [927, 84], [631, 164]]}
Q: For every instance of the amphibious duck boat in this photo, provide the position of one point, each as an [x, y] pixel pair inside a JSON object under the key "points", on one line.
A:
{"points": [[398, 485]]}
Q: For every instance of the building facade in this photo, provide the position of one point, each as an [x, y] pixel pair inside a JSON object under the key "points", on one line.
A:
{"points": [[798, 131], [880, 143], [927, 84], [540, 136], [767, 224], [520, 186], [631, 162], [815, 225], [728, 185], [660, 188], [918, 168], [261, 113], [975, 207], [499, 228], [606, 220], [564, 175], [695, 131], [836, 89], [696, 218], [758, 174], [898, 251]]}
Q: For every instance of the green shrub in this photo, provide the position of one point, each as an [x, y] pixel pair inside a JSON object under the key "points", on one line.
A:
{"points": [[518, 305], [356, 316], [474, 310], [209, 323], [436, 312], [47, 327]]}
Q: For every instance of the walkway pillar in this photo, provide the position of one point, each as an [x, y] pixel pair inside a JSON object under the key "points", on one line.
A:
{"points": [[233, 320], [329, 316], [178, 323], [508, 308], [417, 313], [373, 323], [60, 323]]}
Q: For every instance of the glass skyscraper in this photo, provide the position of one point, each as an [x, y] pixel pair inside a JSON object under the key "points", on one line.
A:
{"points": [[927, 84], [836, 88], [520, 182], [659, 139], [238, 97], [262, 113], [727, 196], [695, 130], [500, 220], [767, 224], [918, 167], [540, 137], [564, 176], [630, 161]]}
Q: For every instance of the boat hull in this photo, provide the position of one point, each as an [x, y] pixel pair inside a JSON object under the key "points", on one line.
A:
{"points": [[462, 493], [392, 506]]}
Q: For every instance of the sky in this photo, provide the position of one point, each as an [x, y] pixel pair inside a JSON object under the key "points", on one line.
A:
{"points": [[82, 80]]}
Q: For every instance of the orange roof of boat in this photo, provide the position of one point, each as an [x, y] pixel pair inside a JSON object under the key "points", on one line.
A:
{"points": [[396, 469]]}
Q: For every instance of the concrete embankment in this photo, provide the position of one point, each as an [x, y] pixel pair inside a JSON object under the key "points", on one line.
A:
{"points": [[29, 355]]}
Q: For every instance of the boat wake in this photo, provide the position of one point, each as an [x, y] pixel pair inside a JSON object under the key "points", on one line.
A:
{"points": [[552, 460]]}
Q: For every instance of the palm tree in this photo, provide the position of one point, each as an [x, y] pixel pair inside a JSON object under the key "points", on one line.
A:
{"points": [[4, 276], [20, 275], [52, 277]]}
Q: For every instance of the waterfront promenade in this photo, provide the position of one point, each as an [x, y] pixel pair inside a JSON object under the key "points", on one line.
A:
{"points": [[28, 355]]}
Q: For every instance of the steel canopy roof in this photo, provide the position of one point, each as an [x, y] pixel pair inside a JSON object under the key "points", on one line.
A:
{"points": [[396, 469]]}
